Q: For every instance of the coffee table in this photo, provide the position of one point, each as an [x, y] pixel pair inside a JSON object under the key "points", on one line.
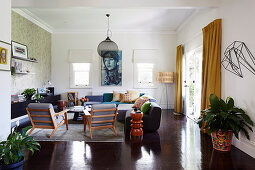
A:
{"points": [[78, 111]]}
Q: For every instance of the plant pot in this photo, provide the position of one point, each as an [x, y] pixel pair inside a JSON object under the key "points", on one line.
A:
{"points": [[14, 166], [222, 141]]}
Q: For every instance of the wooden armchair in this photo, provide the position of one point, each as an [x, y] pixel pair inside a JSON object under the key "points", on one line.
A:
{"points": [[102, 116], [42, 116]]}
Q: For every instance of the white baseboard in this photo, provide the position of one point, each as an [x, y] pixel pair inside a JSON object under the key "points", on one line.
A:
{"points": [[245, 145]]}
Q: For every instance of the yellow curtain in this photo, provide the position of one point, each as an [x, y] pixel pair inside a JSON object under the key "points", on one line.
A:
{"points": [[211, 75], [178, 81]]}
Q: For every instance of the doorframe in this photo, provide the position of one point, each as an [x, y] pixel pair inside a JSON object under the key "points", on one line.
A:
{"points": [[184, 79]]}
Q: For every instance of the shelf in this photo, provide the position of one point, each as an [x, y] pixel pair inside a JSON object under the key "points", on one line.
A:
{"points": [[25, 59]]}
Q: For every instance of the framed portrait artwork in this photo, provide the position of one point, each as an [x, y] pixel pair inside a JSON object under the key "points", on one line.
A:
{"points": [[111, 68], [5, 56], [19, 50]]}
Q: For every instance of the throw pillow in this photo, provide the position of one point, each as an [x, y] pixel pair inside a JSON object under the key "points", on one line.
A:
{"points": [[125, 98], [139, 102], [146, 107], [116, 96], [134, 94]]}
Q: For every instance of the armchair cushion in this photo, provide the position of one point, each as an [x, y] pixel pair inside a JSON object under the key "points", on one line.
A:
{"points": [[43, 106], [99, 107]]}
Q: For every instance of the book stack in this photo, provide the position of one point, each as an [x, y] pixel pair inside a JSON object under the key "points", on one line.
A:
{"points": [[17, 98]]}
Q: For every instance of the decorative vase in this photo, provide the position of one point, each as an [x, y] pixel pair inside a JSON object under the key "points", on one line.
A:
{"points": [[83, 104], [222, 140], [14, 166]]}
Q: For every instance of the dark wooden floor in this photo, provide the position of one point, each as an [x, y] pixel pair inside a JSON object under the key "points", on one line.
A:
{"points": [[178, 144]]}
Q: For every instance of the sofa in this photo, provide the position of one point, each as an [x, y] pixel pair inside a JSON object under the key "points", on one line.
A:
{"points": [[106, 98], [151, 119]]}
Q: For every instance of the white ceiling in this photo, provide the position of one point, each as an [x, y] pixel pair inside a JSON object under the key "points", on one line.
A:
{"points": [[82, 19]]}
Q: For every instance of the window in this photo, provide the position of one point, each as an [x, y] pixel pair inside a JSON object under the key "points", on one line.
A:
{"points": [[80, 75], [145, 68], [144, 75]]}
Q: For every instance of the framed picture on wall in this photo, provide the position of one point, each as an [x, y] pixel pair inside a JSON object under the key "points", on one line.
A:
{"points": [[5, 56], [111, 68], [19, 50]]}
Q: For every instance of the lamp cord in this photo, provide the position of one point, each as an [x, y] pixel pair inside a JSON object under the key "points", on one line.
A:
{"points": [[109, 32]]}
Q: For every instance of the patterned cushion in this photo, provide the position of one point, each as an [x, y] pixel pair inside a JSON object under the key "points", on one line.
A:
{"points": [[125, 98], [139, 102], [116, 96], [134, 94]]}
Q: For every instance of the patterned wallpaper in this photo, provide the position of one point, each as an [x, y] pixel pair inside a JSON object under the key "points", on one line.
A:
{"points": [[38, 42]]}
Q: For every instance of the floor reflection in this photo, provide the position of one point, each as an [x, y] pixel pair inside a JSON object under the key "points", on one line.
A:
{"points": [[190, 146], [144, 149], [221, 160]]}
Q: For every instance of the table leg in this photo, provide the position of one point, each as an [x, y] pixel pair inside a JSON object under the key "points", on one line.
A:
{"points": [[75, 117]]}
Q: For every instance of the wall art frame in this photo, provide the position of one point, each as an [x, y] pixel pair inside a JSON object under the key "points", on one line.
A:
{"points": [[19, 50], [111, 68], [5, 56]]}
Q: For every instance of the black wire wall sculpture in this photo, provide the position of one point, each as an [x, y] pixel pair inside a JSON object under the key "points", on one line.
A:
{"points": [[237, 54]]}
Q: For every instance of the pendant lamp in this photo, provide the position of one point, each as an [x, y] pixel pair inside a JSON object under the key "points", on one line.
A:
{"points": [[107, 44]]}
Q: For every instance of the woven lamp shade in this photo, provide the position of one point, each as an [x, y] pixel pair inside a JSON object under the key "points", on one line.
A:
{"points": [[166, 77]]}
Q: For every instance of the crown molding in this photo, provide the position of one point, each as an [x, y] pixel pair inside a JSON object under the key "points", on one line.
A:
{"points": [[34, 19], [114, 32]]}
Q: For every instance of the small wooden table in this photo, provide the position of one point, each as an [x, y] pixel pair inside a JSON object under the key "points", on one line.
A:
{"points": [[136, 123]]}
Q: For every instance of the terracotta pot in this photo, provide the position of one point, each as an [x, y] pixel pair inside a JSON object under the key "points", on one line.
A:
{"points": [[222, 140]]}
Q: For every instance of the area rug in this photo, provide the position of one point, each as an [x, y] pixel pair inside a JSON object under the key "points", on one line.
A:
{"points": [[76, 133]]}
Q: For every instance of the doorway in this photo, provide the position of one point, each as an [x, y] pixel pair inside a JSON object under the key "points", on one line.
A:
{"points": [[192, 83]]}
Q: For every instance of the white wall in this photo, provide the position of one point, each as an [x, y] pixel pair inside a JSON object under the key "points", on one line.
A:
{"points": [[61, 43], [237, 25], [5, 82]]}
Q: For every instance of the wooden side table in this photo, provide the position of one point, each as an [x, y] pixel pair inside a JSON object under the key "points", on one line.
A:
{"points": [[136, 123]]}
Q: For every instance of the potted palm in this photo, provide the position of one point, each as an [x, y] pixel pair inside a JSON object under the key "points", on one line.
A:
{"points": [[11, 156], [223, 119]]}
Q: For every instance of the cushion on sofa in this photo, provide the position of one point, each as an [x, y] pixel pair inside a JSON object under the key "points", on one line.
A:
{"points": [[116, 96], [139, 102], [134, 94], [126, 98], [107, 97], [146, 107]]}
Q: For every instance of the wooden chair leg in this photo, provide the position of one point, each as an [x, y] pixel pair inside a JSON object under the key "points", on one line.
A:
{"points": [[53, 132], [114, 130], [31, 131], [90, 133], [66, 121]]}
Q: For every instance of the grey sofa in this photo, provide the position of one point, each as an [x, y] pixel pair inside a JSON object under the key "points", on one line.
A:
{"points": [[151, 120]]}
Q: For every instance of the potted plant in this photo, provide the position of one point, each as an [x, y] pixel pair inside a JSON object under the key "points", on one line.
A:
{"points": [[223, 119], [83, 100], [28, 93], [11, 156]]}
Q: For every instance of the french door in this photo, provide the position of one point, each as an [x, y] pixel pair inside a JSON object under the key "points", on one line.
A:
{"points": [[192, 83]]}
